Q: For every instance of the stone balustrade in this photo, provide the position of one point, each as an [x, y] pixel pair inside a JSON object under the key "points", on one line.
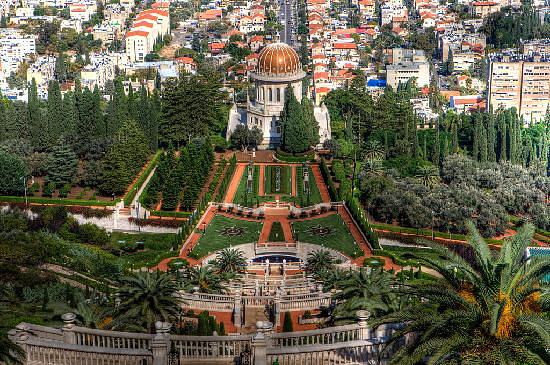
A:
{"points": [[350, 344]]}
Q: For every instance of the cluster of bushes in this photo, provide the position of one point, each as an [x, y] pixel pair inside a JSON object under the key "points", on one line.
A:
{"points": [[205, 325], [294, 157], [227, 178], [485, 193], [180, 177]]}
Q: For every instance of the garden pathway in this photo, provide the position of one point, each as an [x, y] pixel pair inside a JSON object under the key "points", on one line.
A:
{"points": [[358, 237], [320, 183], [268, 223], [261, 180], [234, 184]]}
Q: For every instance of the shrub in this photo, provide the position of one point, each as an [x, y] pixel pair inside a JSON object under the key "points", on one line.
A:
{"points": [[92, 234], [65, 190], [307, 315], [48, 190], [287, 323]]}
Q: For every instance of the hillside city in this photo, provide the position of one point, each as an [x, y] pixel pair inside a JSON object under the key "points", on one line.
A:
{"points": [[274, 182]]}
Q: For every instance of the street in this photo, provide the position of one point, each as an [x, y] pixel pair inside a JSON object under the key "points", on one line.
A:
{"points": [[287, 17]]}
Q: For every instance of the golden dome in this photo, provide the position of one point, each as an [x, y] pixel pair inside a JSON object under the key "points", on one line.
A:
{"points": [[278, 59]]}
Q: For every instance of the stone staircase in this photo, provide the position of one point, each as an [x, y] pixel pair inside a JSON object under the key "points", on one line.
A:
{"points": [[251, 316]]}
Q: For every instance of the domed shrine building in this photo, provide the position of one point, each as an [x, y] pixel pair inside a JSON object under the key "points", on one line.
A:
{"points": [[278, 69]]}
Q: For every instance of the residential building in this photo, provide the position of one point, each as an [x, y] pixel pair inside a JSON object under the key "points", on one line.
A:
{"points": [[521, 84]]}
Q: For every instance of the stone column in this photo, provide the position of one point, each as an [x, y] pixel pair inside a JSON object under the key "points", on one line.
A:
{"points": [[160, 346], [277, 307], [364, 330], [237, 310], [260, 342], [68, 328]]}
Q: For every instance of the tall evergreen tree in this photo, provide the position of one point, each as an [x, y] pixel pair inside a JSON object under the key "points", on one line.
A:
{"points": [[55, 112], [62, 164], [454, 136], [117, 111], [436, 153], [491, 138], [295, 136], [483, 149], [503, 138]]}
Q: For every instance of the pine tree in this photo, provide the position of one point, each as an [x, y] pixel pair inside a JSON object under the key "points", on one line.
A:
{"points": [[62, 164]]}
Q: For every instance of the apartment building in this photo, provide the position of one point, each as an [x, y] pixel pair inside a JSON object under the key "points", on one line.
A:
{"points": [[98, 72], [403, 72], [148, 26], [536, 47], [522, 84]]}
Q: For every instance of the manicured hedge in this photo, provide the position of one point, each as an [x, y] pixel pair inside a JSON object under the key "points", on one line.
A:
{"points": [[56, 201], [279, 155], [141, 179], [333, 192], [361, 218], [227, 178], [160, 213]]}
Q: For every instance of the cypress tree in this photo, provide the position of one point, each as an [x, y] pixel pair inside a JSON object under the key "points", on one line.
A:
{"points": [[310, 122], [436, 153], [295, 136], [39, 127], [70, 114], [55, 112], [491, 138], [118, 109], [3, 119], [445, 147], [425, 147], [503, 136], [454, 131], [477, 137], [287, 323], [483, 151], [512, 153]]}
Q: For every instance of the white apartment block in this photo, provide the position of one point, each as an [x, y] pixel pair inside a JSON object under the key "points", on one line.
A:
{"points": [[390, 11], [402, 72], [523, 85], [148, 26], [82, 12]]}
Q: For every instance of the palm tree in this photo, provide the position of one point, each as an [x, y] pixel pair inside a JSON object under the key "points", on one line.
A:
{"points": [[319, 261], [427, 176], [374, 150], [146, 298], [204, 279], [365, 290], [89, 314], [230, 260], [493, 311], [10, 353]]}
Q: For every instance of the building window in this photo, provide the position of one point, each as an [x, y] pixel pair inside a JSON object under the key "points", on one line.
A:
{"points": [[270, 93], [278, 94]]}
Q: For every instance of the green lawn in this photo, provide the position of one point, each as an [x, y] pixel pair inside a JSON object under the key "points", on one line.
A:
{"points": [[270, 182], [276, 234], [156, 246], [314, 194], [216, 238], [337, 235], [244, 198]]}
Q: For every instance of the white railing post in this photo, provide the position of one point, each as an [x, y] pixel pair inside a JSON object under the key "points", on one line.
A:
{"points": [[364, 330], [277, 307], [260, 342], [161, 343], [68, 328], [237, 310]]}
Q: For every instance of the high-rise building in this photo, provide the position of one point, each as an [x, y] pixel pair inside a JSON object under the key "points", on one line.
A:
{"points": [[523, 84]]}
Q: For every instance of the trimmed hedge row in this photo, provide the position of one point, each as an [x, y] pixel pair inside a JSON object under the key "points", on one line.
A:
{"points": [[56, 201], [227, 178], [161, 213], [141, 179], [294, 159], [333, 192], [361, 218]]}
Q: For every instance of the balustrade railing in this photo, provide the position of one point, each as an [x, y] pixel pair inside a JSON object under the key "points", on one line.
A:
{"points": [[73, 345], [111, 339], [323, 336], [205, 347]]}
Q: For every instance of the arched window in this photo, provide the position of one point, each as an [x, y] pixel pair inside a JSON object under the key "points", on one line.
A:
{"points": [[270, 93], [278, 95]]}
